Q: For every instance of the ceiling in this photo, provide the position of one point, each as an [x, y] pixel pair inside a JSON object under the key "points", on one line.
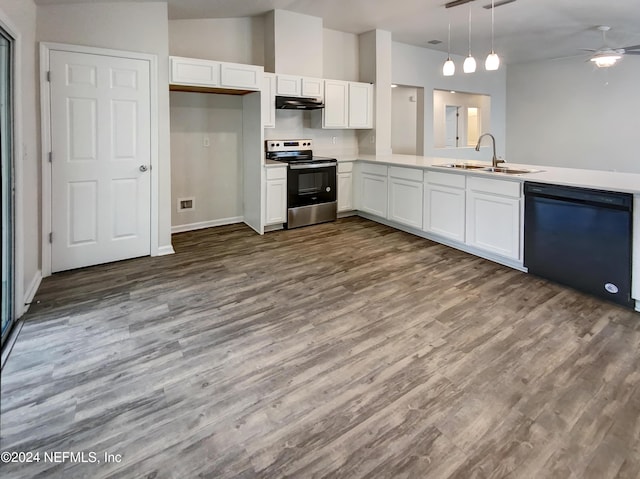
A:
{"points": [[525, 31]]}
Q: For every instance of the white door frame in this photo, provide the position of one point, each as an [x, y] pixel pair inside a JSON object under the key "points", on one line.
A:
{"points": [[45, 108]]}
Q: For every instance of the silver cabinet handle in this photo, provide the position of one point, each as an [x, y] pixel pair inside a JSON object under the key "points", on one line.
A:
{"points": [[143, 168]]}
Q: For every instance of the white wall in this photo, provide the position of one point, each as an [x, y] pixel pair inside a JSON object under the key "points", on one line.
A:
{"points": [[291, 124], [212, 175], [404, 117], [341, 54], [237, 40], [569, 113], [21, 16], [416, 66], [138, 27]]}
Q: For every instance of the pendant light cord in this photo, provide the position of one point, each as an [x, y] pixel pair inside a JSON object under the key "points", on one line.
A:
{"points": [[469, 29], [492, 21]]}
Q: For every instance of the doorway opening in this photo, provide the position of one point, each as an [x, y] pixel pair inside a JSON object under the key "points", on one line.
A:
{"points": [[407, 120], [7, 189]]}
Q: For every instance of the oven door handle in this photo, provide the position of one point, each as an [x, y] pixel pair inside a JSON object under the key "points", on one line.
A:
{"points": [[306, 166]]}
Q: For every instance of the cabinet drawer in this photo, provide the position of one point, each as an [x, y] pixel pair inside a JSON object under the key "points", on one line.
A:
{"points": [[498, 187], [277, 173], [374, 169], [411, 174], [445, 179], [345, 167]]}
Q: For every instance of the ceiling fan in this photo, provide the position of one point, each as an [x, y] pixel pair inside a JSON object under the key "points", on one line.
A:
{"points": [[606, 56]]}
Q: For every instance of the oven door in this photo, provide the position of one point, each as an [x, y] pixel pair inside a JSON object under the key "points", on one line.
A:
{"points": [[310, 184]]}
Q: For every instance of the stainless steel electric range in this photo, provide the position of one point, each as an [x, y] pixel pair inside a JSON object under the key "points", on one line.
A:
{"points": [[311, 182]]}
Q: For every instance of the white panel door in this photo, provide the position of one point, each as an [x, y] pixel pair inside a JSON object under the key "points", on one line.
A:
{"points": [[101, 145], [444, 211], [405, 202], [373, 194], [345, 191], [335, 114], [360, 105]]}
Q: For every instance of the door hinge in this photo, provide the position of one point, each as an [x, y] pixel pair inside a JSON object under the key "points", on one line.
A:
{"points": [[50, 156], [49, 76], [50, 237]]}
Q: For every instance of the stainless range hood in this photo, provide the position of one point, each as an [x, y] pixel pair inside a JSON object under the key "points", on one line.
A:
{"points": [[298, 103]]}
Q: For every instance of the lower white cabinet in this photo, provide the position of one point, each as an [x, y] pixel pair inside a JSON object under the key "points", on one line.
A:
{"points": [[276, 196], [372, 189], [345, 186], [493, 218], [405, 196], [444, 204]]}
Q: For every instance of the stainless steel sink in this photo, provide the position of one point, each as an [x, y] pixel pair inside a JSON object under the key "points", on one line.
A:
{"points": [[462, 166]]}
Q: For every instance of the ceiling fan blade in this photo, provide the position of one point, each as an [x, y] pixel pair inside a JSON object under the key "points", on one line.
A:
{"points": [[588, 49], [632, 47], [632, 53]]}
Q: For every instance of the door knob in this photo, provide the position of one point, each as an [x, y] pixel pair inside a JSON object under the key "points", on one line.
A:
{"points": [[143, 168]]}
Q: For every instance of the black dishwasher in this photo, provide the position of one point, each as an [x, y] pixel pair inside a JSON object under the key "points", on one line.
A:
{"points": [[580, 237]]}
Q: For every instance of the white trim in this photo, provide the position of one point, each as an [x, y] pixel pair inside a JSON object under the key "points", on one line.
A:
{"points": [[164, 250], [18, 158], [45, 122], [206, 224], [31, 291]]}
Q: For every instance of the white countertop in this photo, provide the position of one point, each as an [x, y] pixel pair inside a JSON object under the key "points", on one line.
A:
{"points": [[601, 180]]}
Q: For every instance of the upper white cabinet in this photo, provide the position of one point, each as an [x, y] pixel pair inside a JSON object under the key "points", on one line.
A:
{"points": [[372, 189], [288, 85], [444, 204], [236, 75], [269, 101], [207, 73], [494, 220], [313, 87], [192, 71], [360, 105], [347, 105], [405, 196]]}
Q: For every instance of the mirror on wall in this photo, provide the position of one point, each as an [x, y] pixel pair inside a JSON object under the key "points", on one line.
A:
{"points": [[459, 118]]}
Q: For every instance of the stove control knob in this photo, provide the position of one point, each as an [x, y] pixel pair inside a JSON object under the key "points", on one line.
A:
{"points": [[328, 189]]}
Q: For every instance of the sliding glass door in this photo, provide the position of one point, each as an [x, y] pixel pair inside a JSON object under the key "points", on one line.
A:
{"points": [[7, 190]]}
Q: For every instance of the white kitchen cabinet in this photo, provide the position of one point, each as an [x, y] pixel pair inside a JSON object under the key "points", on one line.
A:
{"points": [[336, 104], [236, 75], [372, 189], [493, 216], [360, 105], [269, 101], [405, 196], [288, 85], [444, 204], [194, 72], [313, 87], [276, 195], [347, 105], [345, 186]]}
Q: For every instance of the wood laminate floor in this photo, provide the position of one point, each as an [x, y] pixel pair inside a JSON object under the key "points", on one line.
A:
{"points": [[343, 350]]}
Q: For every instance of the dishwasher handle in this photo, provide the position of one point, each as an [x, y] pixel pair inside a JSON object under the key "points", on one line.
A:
{"points": [[580, 195]]}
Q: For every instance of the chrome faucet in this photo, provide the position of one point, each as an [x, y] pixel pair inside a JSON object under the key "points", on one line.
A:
{"points": [[494, 161]]}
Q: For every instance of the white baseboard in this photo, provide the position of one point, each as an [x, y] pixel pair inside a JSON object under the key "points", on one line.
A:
{"points": [[206, 224], [32, 289], [165, 250]]}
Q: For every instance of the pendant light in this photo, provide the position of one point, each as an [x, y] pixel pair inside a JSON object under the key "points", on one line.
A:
{"points": [[449, 68], [469, 65], [493, 60]]}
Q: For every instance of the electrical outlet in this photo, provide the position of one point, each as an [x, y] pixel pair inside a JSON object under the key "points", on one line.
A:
{"points": [[372, 139], [206, 142], [333, 139], [186, 204]]}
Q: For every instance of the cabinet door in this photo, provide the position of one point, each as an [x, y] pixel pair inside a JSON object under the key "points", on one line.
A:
{"points": [[373, 194], [335, 114], [405, 202], [345, 191], [269, 101], [276, 210], [288, 85], [444, 211], [191, 71], [236, 75], [313, 87], [360, 105], [493, 223]]}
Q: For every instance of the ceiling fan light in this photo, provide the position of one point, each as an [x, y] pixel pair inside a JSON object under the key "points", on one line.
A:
{"points": [[449, 68], [492, 62], [606, 61], [469, 65]]}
